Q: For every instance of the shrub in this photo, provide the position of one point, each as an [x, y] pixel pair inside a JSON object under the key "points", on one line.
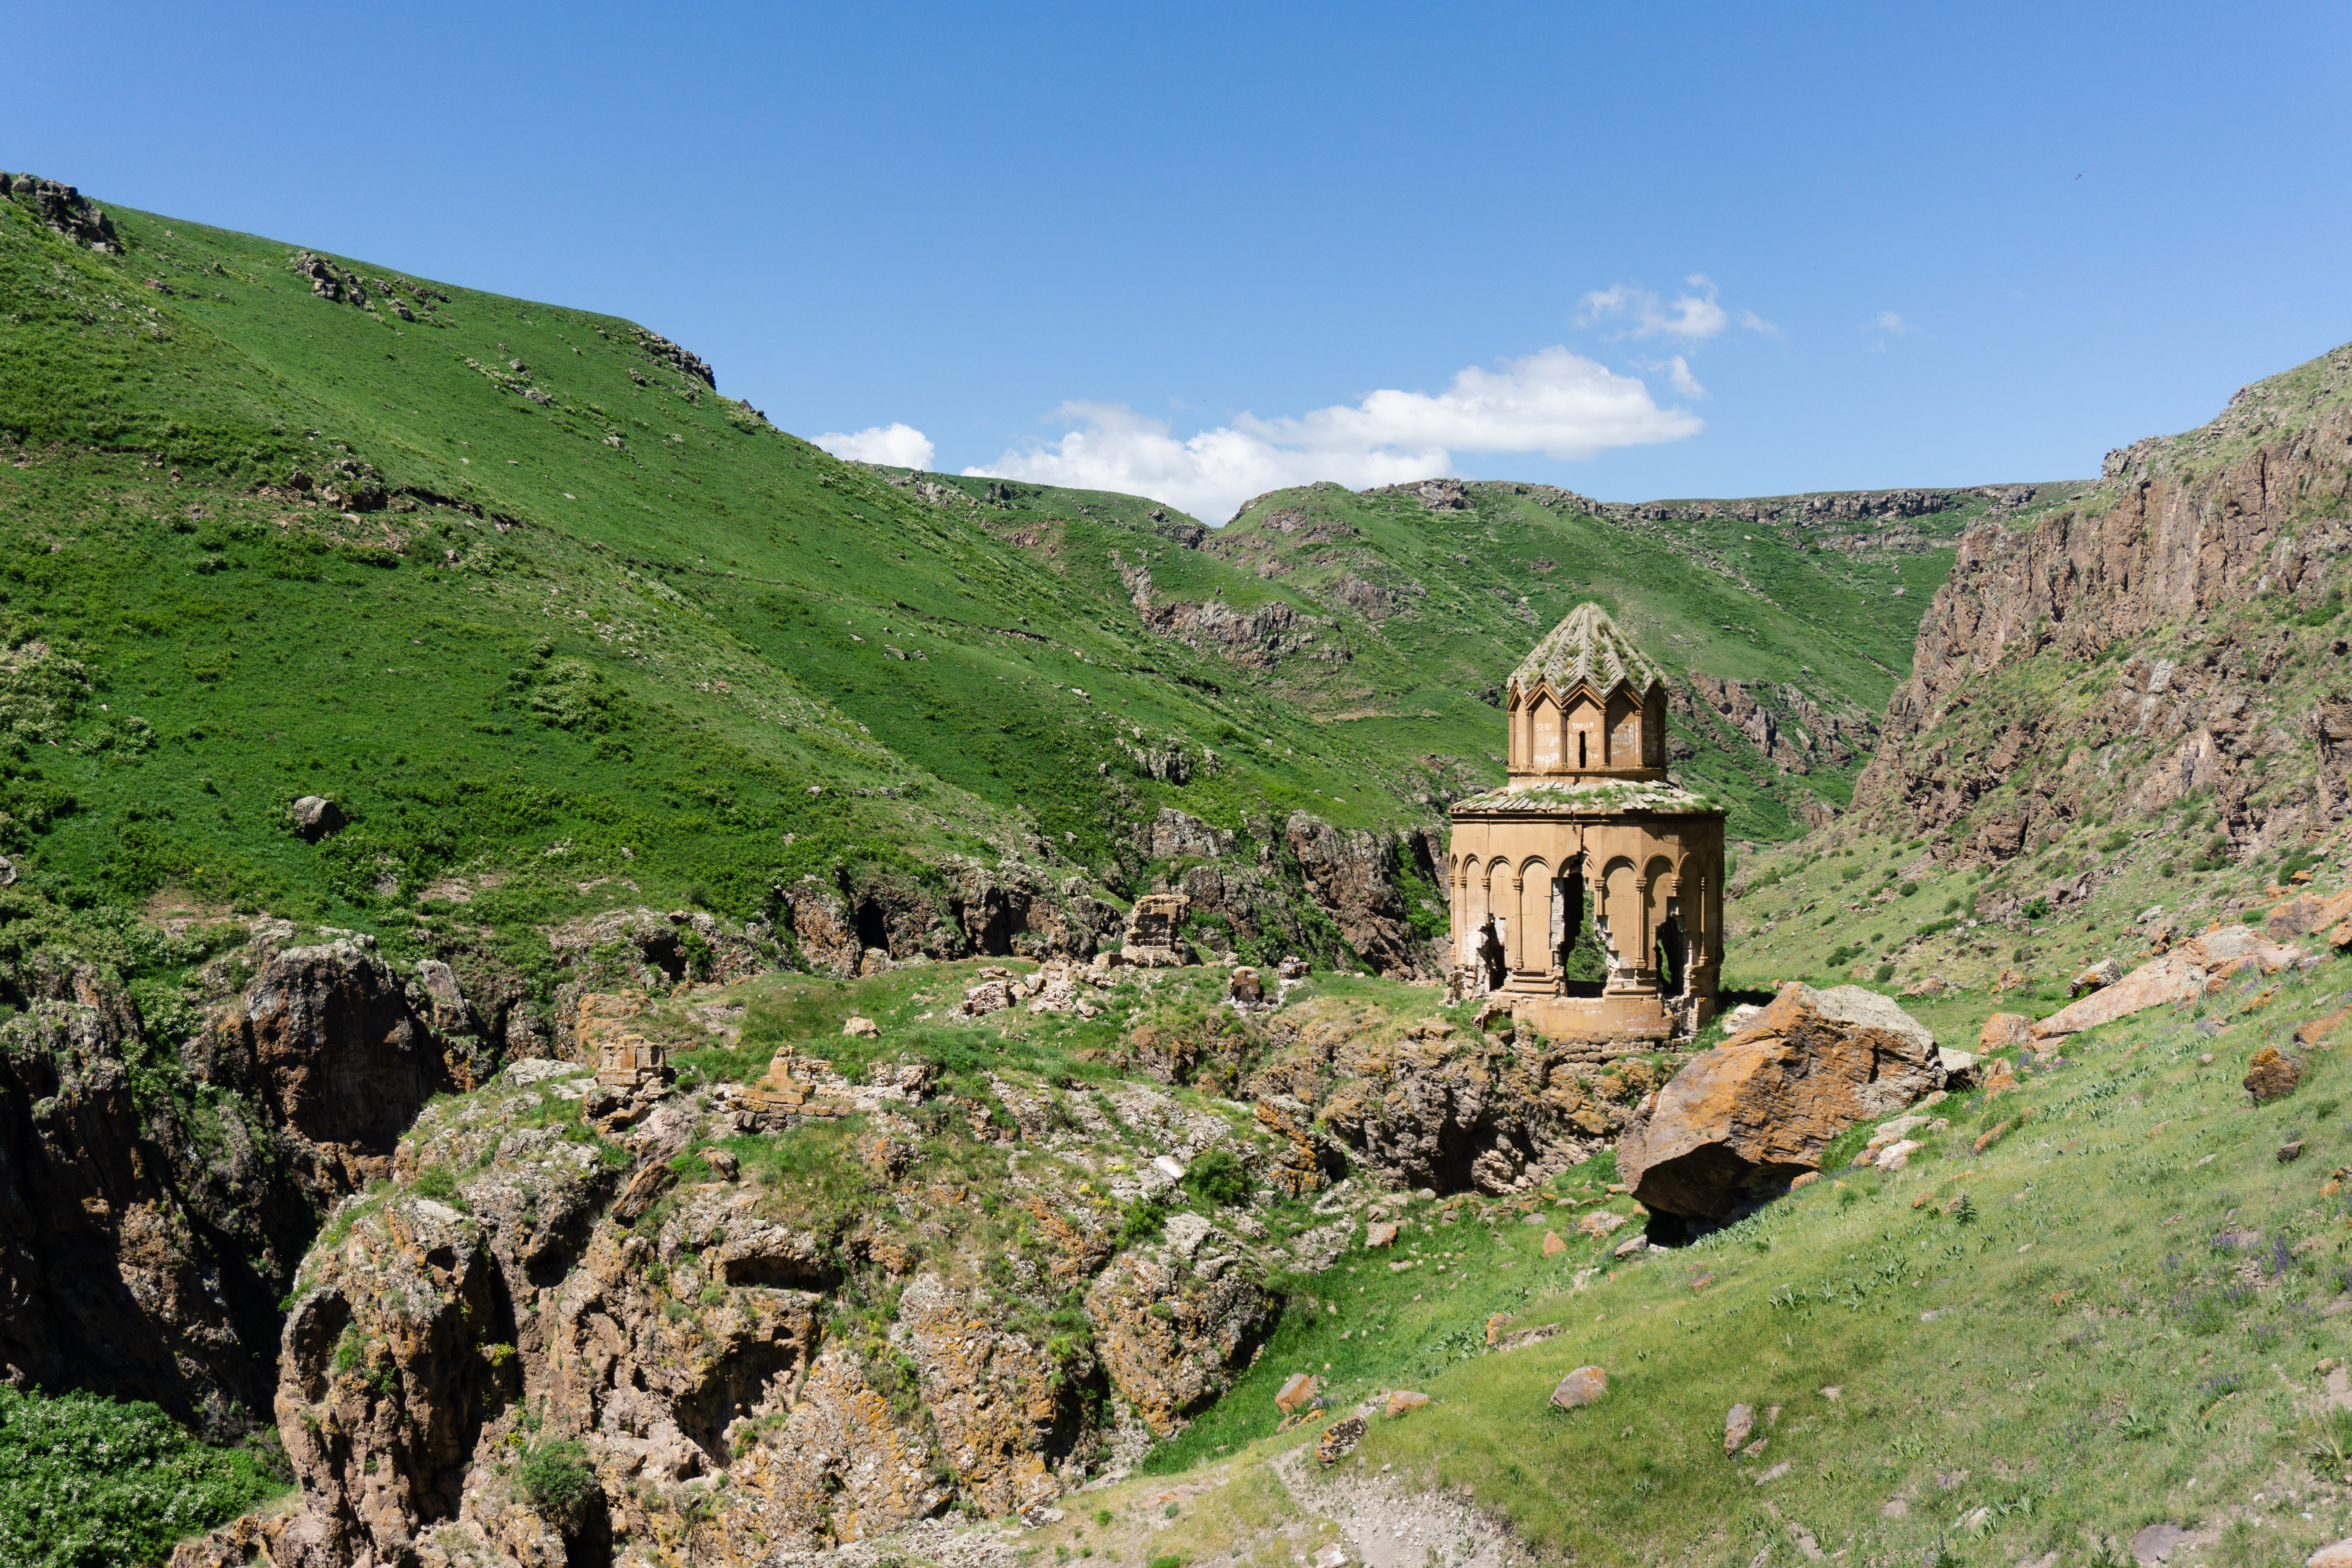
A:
{"points": [[84, 1480], [556, 1477], [2036, 910], [1884, 973], [1218, 1177]]}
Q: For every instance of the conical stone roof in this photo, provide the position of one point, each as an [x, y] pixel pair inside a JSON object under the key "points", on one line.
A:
{"points": [[1586, 647]]}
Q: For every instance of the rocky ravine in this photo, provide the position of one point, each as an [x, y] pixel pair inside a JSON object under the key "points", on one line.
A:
{"points": [[930, 1293], [154, 1208]]}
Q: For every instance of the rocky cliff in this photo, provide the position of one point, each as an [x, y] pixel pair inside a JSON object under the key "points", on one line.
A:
{"points": [[160, 1186], [2173, 633]]}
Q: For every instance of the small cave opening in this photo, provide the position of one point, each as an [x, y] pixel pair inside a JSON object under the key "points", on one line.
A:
{"points": [[873, 925]]}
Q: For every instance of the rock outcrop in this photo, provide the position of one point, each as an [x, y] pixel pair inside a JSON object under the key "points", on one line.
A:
{"points": [[1741, 1120], [155, 1215], [743, 1365], [2190, 970], [2185, 530], [65, 210]]}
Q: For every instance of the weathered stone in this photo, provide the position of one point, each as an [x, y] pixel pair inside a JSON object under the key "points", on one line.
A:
{"points": [[1380, 1232], [1291, 968], [2271, 1076], [1599, 1222], [2320, 1030], [1583, 1386], [988, 996], [2095, 977], [861, 1028], [1401, 1400], [2337, 1555], [1338, 1440], [1744, 1118], [1631, 1245], [2157, 1542], [315, 817], [1737, 1426], [2004, 1031], [1245, 988], [1552, 1245], [2001, 1076], [2186, 972], [1295, 1391]]}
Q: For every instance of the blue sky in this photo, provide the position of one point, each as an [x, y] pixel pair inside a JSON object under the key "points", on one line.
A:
{"points": [[1677, 251]]}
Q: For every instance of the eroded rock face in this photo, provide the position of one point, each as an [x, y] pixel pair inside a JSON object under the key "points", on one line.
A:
{"points": [[384, 1379], [329, 1040], [1743, 1118], [1174, 1331], [143, 1256], [742, 1372], [2186, 527], [1440, 1107], [130, 1263]]}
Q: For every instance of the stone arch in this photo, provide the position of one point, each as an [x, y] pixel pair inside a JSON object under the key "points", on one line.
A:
{"points": [[1668, 946]]}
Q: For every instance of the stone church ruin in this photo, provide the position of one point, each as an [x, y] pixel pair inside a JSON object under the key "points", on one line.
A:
{"points": [[1588, 891]]}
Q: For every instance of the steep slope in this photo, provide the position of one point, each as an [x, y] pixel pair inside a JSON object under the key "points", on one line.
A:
{"points": [[1391, 614], [559, 628]]}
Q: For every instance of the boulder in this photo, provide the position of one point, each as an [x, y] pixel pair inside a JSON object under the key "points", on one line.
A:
{"points": [[2095, 977], [1583, 1386], [1291, 968], [2306, 913], [2003, 1030], [1403, 1399], [2186, 972], [1382, 1233], [1600, 1223], [1552, 1245], [2271, 1076], [315, 817], [1743, 1118], [2337, 1555], [1737, 1425], [1245, 987], [863, 1028], [1295, 1391], [1338, 1440]]}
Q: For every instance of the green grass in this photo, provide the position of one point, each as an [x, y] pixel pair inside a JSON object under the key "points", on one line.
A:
{"points": [[86, 1483], [2093, 1349]]}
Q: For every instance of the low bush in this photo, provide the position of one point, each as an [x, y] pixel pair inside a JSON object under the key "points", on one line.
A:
{"points": [[86, 1483]]}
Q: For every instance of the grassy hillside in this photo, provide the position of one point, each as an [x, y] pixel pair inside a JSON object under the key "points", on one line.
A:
{"points": [[581, 619], [2125, 1311], [1393, 615]]}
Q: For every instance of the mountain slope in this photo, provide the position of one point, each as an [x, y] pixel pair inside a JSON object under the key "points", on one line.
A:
{"points": [[1394, 613]]}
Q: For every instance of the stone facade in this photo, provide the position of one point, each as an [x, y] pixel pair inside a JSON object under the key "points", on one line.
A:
{"points": [[1590, 822], [1152, 939]]}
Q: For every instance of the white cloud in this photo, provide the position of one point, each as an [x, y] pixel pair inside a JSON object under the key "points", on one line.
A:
{"points": [[897, 446], [1557, 402], [1678, 372], [1885, 325], [1692, 317]]}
